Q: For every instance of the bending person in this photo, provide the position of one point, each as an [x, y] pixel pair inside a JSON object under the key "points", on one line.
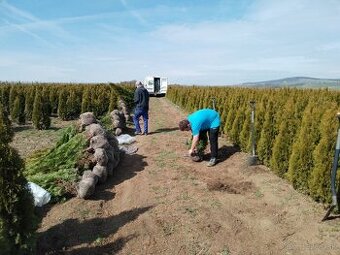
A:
{"points": [[205, 120]]}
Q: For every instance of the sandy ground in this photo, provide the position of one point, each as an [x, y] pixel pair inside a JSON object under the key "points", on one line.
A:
{"points": [[159, 202]]}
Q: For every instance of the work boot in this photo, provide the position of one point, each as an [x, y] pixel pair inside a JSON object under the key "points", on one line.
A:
{"points": [[212, 162], [138, 133]]}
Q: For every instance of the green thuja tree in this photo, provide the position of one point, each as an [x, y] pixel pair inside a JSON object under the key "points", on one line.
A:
{"points": [[319, 181], [17, 221], [12, 96], [101, 100], [72, 105], [282, 148], [62, 109], [86, 100], [301, 161], [29, 101], [53, 98], [40, 115], [245, 138], [261, 108], [238, 124], [234, 104], [113, 99], [18, 111], [268, 133], [6, 132], [4, 96], [46, 99]]}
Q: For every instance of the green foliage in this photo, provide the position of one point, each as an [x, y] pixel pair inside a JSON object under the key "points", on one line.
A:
{"points": [[18, 110], [113, 98], [40, 115], [282, 148], [86, 101], [17, 222], [62, 108], [29, 102], [55, 169], [4, 96], [319, 184], [6, 132], [73, 105], [106, 122], [301, 161], [268, 134], [245, 137], [238, 124]]}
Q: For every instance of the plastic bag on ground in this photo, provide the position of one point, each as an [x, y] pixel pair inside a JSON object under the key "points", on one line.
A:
{"points": [[126, 139], [40, 195]]}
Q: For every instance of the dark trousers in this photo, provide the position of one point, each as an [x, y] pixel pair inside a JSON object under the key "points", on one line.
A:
{"points": [[213, 140], [137, 115]]}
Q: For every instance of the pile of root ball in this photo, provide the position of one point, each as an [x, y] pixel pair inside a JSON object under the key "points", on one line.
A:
{"points": [[119, 118], [103, 152]]}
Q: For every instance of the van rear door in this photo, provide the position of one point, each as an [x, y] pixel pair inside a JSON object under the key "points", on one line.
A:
{"points": [[157, 84], [164, 85]]}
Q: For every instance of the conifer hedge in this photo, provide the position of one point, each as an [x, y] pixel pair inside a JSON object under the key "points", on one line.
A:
{"points": [[17, 221], [295, 128], [37, 102]]}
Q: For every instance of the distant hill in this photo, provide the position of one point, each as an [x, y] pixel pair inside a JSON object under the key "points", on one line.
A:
{"points": [[299, 82]]}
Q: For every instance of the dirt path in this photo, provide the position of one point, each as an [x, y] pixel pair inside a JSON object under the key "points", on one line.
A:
{"points": [[161, 203]]}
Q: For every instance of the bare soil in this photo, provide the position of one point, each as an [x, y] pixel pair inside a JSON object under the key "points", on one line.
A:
{"points": [[160, 202]]}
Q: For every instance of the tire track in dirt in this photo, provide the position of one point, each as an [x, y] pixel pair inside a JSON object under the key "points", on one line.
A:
{"points": [[159, 202]]}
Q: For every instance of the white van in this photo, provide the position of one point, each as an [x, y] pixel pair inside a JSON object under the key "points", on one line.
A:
{"points": [[156, 85]]}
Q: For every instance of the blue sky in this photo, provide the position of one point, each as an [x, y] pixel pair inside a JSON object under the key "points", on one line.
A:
{"points": [[191, 42]]}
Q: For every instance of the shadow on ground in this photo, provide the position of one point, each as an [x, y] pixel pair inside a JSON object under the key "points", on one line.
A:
{"points": [[21, 128], [129, 166], [226, 152], [73, 232], [164, 130]]}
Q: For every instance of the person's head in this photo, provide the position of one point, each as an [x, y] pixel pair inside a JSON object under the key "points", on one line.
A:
{"points": [[139, 84], [184, 125]]}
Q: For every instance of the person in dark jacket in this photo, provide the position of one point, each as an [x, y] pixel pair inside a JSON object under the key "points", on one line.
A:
{"points": [[141, 100]]}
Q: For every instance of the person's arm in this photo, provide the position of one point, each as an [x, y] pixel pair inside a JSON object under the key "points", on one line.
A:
{"points": [[194, 144], [136, 97]]}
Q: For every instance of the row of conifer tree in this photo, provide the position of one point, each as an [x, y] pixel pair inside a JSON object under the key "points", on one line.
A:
{"points": [[295, 128], [36, 103]]}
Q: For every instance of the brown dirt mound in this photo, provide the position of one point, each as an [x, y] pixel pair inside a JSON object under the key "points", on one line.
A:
{"points": [[230, 186]]}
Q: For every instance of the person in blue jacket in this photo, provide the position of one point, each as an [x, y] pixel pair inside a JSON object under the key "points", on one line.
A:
{"points": [[141, 100], [205, 120]]}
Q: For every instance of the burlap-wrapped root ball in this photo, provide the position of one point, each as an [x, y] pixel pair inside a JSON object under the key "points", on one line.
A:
{"points": [[113, 160], [86, 187], [99, 141], [122, 106], [118, 121], [101, 156], [94, 130], [90, 174], [113, 141], [101, 172], [86, 119]]}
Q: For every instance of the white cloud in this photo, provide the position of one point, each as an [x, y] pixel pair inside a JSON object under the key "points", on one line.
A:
{"points": [[273, 39]]}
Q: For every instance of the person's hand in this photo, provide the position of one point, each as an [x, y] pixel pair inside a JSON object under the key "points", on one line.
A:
{"points": [[191, 151]]}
